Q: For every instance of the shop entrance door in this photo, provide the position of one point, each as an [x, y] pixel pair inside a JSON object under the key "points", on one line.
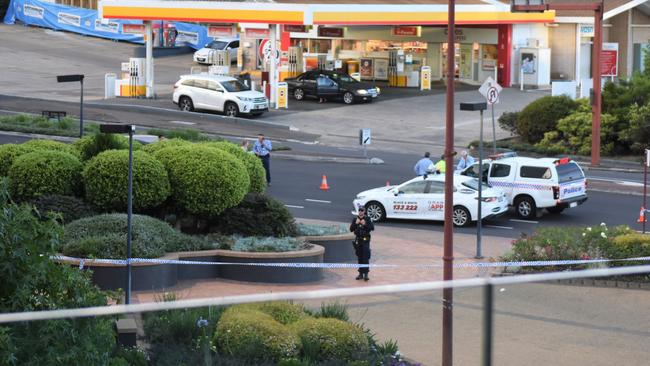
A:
{"points": [[443, 59]]}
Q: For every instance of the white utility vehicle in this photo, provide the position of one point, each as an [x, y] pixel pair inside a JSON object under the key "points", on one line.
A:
{"points": [[205, 55]]}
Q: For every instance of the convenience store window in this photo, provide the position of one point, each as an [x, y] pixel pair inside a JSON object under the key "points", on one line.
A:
{"points": [[320, 45]]}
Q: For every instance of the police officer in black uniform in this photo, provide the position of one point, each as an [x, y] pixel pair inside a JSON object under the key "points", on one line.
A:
{"points": [[361, 227]]}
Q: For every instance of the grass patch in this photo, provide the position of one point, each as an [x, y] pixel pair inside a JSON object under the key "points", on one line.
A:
{"points": [[36, 124]]}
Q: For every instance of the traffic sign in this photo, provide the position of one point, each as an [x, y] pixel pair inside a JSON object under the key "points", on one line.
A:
{"points": [[364, 137], [490, 90]]}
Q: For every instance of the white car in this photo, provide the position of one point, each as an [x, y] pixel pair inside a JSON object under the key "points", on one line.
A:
{"points": [[218, 93], [205, 54], [423, 199]]}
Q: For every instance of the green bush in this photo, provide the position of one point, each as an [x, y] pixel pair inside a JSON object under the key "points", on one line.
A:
{"points": [[69, 207], [9, 153], [508, 122], [129, 356], [281, 311], [106, 181], [327, 339], [104, 236], [630, 245], [269, 244], [637, 135], [162, 144], [320, 230], [188, 134], [38, 124], [334, 310], [256, 215], [45, 172], [51, 145], [204, 181], [253, 335], [92, 145], [253, 164], [542, 116]]}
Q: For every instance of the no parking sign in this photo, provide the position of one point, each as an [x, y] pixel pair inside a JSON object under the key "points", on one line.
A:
{"points": [[490, 90]]}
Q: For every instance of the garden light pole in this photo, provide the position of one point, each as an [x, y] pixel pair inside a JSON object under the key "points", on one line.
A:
{"points": [[130, 129], [448, 240], [80, 79], [478, 106]]}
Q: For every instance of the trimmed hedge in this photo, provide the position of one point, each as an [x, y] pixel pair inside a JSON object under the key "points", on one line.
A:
{"points": [[106, 181], [204, 181], [92, 145], [34, 145], [256, 215], [70, 208], [328, 339], [45, 172], [9, 153], [162, 144], [252, 335], [104, 236], [253, 164]]}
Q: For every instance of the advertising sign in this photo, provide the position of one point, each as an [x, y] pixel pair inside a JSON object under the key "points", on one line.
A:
{"points": [[33, 11], [220, 31], [69, 19], [381, 68], [425, 78], [366, 70], [257, 33], [331, 32], [133, 28], [609, 59], [104, 25], [283, 92], [295, 28], [586, 30], [402, 30]]}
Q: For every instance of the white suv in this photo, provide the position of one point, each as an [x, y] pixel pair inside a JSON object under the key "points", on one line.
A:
{"points": [[205, 54], [218, 93], [533, 184]]}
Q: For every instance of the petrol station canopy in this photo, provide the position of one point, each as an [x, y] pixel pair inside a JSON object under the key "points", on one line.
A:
{"points": [[332, 12]]}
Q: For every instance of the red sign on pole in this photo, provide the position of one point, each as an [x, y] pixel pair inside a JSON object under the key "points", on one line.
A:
{"points": [[330, 32], [133, 28], [295, 28], [257, 33], [413, 31], [609, 59]]}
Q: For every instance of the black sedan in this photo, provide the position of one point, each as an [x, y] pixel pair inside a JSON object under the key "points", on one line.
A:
{"points": [[331, 85]]}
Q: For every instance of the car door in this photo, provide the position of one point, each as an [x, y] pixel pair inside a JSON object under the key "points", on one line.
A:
{"points": [[409, 200], [200, 94], [502, 175], [326, 87], [215, 95], [434, 205], [232, 50], [308, 84]]}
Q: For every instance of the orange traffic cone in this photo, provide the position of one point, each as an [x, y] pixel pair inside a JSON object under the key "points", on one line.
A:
{"points": [[641, 215], [323, 184]]}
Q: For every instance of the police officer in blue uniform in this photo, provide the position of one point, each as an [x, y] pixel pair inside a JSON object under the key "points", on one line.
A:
{"points": [[361, 227]]}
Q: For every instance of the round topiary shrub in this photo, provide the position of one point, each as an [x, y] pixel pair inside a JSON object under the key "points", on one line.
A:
{"points": [[45, 172], [104, 236], [106, 180], [253, 164], [162, 144], [51, 145], [327, 339], [9, 153], [253, 336], [204, 181], [90, 146]]}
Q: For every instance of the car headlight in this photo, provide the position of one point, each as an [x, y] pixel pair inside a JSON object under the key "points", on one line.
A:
{"points": [[362, 92], [378, 90], [360, 197], [245, 99]]}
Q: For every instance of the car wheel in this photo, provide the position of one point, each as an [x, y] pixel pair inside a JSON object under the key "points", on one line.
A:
{"points": [[231, 109], [299, 94], [555, 210], [526, 208], [185, 104], [461, 216], [375, 211], [348, 98]]}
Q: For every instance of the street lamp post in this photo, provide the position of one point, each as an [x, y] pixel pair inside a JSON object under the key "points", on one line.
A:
{"points": [[478, 106], [130, 129], [80, 79]]}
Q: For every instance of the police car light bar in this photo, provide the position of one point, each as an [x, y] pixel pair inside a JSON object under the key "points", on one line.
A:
{"points": [[510, 154], [562, 161]]}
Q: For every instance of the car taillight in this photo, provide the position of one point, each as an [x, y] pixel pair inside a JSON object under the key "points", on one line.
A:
{"points": [[556, 192], [585, 184]]}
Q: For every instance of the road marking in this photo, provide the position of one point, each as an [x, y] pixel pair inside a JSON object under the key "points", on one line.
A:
{"points": [[499, 227], [525, 221], [183, 123], [617, 181], [293, 206], [319, 201]]}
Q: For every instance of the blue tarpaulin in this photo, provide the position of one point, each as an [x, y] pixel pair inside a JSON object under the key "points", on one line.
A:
{"points": [[85, 21]]}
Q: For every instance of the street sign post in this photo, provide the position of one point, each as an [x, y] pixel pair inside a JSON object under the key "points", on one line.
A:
{"points": [[491, 91], [365, 139], [646, 164]]}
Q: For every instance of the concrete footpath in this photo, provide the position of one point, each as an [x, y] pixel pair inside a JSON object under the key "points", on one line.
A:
{"points": [[535, 324]]}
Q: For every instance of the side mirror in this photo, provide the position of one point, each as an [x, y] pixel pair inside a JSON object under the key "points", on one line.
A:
{"points": [[395, 191]]}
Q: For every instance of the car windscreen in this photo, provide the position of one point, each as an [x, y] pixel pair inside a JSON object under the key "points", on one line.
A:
{"points": [[569, 172], [234, 86], [473, 184], [217, 45], [343, 77]]}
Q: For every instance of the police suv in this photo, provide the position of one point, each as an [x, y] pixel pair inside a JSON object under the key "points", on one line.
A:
{"points": [[534, 184]]}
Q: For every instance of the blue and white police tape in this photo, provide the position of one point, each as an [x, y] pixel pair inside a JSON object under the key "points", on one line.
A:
{"points": [[123, 262]]}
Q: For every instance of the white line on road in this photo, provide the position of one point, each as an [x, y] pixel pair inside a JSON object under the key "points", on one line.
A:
{"points": [[525, 221], [319, 201], [499, 227], [617, 181], [183, 123], [293, 206]]}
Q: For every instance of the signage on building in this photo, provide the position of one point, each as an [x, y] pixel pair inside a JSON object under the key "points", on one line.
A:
{"points": [[257, 33], [459, 34], [609, 59], [331, 32], [133, 28], [586, 30], [220, 31], [295, 28], [412, 31]]}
